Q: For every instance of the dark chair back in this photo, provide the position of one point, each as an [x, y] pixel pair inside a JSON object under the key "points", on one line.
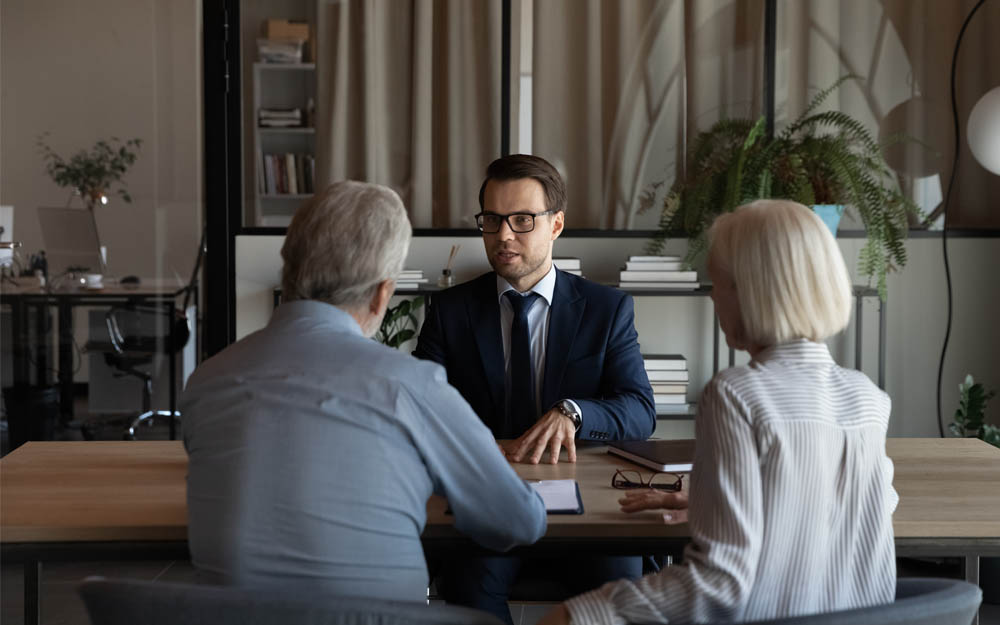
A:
{"points": [[919, 601], [127, 602]]}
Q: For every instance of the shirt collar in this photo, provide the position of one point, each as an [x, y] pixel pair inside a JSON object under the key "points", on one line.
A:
{"points": [[318, 312], [799, 350], [544, 287]]}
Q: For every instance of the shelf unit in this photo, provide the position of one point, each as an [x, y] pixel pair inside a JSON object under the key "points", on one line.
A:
{"points": [[280, 85]]}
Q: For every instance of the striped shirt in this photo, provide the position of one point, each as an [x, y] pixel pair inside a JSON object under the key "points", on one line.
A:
{"points": [[791, 500]]}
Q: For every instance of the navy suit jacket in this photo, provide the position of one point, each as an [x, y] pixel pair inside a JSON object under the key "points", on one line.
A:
{"points": [[592, 355]]}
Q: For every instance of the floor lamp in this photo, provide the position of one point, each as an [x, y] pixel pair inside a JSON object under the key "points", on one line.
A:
{"points": [[984, 143]]}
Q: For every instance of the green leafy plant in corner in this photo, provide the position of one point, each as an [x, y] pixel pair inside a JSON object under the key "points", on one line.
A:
{"points": [[823, 157], [970, 418], [400, 323], [92, 174]]}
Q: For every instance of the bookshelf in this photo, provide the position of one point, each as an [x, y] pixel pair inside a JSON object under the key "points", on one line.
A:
{"points": [[281, 86]]}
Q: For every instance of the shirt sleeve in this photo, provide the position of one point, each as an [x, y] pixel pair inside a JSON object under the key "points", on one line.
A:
{"points": [[725, 518], [491, 503]]}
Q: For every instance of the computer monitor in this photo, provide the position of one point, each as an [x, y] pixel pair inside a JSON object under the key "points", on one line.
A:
{"points": [[70, 236]]}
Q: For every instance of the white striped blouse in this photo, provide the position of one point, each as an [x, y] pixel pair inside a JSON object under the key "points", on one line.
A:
{"points": [[791, 500]]}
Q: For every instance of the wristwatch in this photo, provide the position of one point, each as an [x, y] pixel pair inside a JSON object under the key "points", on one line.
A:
{"points": [[570, 411]]}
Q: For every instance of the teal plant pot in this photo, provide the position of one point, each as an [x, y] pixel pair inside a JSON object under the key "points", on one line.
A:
{"points": [[830, 214]]}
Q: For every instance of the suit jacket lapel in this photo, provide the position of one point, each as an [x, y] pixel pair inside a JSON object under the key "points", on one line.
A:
{"points": [[565, 315], [484, 319]]}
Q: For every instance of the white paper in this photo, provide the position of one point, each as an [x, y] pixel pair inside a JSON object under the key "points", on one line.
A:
{"points": [[558, 495]]}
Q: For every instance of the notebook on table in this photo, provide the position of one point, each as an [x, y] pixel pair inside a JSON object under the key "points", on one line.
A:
{"points": [[560, 496], [672, 456]]}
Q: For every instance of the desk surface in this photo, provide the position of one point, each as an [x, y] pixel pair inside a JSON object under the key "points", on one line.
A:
{"points": [[135, 491], [28, 287]]}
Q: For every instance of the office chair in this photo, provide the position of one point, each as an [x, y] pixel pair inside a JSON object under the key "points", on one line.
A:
{"points": [[919, 601], [126, 602], [130, 350]]}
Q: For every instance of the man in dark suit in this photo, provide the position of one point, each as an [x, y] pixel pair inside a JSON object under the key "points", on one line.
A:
{"points": [[542, 356]]}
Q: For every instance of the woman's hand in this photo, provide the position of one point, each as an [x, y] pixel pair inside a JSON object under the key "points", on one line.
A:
{"points": [[653, 499]]}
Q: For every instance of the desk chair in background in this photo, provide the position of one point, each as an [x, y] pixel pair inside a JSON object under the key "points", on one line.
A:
{"points": [[131, 350]]}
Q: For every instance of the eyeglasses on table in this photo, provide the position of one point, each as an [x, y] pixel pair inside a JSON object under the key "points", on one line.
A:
{"points": [[624, 479]]}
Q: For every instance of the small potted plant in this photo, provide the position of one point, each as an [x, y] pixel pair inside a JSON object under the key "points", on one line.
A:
{"points": [[822, 158], [91, 175], [399, 324]]}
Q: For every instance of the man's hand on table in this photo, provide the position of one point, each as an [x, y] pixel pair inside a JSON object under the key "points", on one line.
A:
{"points": [[553, 432]]}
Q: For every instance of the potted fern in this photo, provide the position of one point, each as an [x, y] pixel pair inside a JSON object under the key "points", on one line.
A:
{"points": [[821, 158]]}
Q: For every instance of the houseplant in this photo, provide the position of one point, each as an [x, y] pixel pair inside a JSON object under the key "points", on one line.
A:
{"points": [[92, 174], [399, 324], [970, 417], [821, 158]]}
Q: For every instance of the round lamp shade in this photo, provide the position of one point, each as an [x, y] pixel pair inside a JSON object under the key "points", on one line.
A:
{"points": [[984, 130]]}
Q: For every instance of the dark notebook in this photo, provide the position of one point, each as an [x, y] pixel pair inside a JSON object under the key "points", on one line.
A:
{"points": [[675, 456]]}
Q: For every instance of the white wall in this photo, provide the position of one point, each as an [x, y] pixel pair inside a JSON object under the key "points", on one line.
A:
{"points": [[916, 313], [84, 71]]}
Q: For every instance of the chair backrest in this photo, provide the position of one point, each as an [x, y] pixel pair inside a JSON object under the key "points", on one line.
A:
{"points": [[919, 601], [127, 602]]}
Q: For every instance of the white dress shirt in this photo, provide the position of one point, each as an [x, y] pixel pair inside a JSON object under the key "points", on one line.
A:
{"points": [[538, 330], [791, 500]]}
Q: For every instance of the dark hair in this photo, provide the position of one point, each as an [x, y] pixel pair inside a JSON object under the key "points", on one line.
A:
{"points": [[520, 166]]}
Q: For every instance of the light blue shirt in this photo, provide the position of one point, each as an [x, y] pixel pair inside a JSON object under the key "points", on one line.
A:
{"points": [[313, 451], [538, 330]]}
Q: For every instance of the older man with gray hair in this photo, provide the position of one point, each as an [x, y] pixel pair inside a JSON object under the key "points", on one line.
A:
{"points": [[313, 449]]}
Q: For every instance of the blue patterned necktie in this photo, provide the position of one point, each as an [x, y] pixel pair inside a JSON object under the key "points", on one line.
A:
{"points": [[521, 405]]}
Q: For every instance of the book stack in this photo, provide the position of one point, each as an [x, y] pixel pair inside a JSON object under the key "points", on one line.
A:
{"points": [[411, 279], [569, 265], [657, 272], [668, 375], [287, 174], [279, 118]]}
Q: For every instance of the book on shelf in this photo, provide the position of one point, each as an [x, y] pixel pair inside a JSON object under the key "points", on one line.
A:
{"points": [[411, 273], [280, 123], [659, 455], [669, 388], [673, 286], [674, 409], [672, 398], [271, 113], [575, 272], [674, 362], [566, 264], [666, 376], [649, 265], [653, 259], [293, 185], [658, 276], [410, 284]]}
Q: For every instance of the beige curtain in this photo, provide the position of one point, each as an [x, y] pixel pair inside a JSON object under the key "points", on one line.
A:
{"points": [[408, 96], [619, 88]]}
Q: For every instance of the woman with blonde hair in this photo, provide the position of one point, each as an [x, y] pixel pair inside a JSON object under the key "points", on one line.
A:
{"points": [[791, 494]]}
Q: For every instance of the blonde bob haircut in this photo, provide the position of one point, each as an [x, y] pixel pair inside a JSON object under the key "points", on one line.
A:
{"points": [[790, 277], [343, 242]]}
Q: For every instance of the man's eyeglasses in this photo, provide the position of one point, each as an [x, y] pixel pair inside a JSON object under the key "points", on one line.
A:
{"points": [[625, 478], [518, 222]]}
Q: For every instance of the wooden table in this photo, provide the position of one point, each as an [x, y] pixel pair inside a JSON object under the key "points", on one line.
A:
{"points": [[126, 500]]}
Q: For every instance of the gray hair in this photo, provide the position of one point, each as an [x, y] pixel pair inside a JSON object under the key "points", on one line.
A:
{"points": [[343, 242]]}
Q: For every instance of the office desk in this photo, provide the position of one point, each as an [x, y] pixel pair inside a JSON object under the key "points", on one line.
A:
{"points": [[25, 298], [126, 500]]}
